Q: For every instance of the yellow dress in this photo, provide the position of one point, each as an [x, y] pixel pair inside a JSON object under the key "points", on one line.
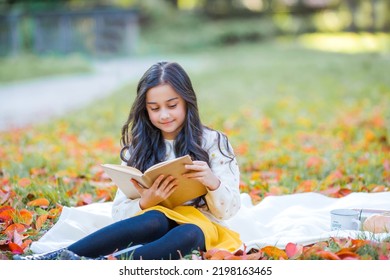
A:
{"points": [[216, 236]]}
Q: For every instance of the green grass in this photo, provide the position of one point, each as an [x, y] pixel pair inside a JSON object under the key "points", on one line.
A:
{"points": [[27, 66], [322, 100]]}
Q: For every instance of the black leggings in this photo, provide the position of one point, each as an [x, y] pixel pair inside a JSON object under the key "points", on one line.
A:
{"points": [[161, 238]]}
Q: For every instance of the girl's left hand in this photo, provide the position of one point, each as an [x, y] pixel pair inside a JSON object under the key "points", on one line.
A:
{"points": [[201, 171]]}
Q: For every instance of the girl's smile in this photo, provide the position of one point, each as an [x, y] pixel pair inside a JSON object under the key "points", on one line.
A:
{"points": [[166, 110]]}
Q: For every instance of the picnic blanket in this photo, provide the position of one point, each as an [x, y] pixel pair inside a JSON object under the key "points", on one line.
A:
{"points": [[302, 218]]}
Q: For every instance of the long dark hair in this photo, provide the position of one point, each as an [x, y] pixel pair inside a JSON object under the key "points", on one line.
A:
{"points": [[143, 140]]}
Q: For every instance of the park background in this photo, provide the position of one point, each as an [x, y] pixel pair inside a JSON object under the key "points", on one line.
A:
{"points": [[300, 87]]}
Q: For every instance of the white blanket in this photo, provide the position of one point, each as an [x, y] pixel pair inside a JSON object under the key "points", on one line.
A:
{"points": [[277, 220]]}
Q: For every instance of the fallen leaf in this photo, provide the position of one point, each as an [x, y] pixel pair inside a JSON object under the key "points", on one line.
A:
{"points": [[40, 221], [293, 251], [25, 217], [274, 252], [15, 248], [41, 202]]}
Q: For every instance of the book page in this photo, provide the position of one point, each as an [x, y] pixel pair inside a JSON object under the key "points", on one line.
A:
{"points": [[187, 189]]}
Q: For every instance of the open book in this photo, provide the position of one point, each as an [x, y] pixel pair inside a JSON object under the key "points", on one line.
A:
{"points": [[187, 189]]}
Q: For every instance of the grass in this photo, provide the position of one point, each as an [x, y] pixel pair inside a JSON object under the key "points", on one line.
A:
{"points": [[27, 66], [299, 120]]}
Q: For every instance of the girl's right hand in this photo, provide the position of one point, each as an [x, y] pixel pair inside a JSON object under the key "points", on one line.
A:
{"points": [[161, 189]]}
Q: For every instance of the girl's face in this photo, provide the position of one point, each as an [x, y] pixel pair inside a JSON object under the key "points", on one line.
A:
{"points": [[166, 110]]}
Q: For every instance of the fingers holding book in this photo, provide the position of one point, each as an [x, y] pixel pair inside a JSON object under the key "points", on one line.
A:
{"points": [[201, 171], [161, 189]]}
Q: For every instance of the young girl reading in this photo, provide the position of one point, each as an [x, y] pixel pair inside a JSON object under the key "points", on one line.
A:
{"points": [[164, 123]]}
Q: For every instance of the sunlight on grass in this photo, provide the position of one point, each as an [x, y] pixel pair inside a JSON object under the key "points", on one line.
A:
{"points": [[347, 42]]}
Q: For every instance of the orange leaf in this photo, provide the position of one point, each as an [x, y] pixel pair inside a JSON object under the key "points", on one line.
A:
{"points": [[26, 243], [221, 255], [40, 221], [379, 188], [7, 214], [9, 231], [344, 192], [274, 252], [344, 254], [217, 254], [15, 248], [327, 255], [357, 243], [53, 213], [111, 258], [41, 202], [25, 217]]}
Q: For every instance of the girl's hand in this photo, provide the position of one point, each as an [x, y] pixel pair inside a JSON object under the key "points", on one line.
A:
{"points": [[161, 189], [201, 171]]}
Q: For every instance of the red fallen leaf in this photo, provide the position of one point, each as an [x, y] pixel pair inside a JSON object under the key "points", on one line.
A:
{"points": [[41, 202], [331, 191], [15, 248], [274, 252], [344, 192], [5, 208], [293, 251]]}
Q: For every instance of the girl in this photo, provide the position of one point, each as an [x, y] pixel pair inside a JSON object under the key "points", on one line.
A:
{"points": [[164, 123]]}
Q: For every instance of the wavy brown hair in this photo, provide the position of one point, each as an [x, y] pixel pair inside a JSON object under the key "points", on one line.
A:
{"points": [[144, 141]]}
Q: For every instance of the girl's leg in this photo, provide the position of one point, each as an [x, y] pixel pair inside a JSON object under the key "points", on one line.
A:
{"points": [[140, 229], [178, 242]]}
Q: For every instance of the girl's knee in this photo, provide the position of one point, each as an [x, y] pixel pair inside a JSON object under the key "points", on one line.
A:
{"points": [[155, 214], [193, 233]]}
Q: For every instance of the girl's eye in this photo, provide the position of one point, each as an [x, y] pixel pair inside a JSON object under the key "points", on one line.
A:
{"points": [[154, 109], [172, 106]]}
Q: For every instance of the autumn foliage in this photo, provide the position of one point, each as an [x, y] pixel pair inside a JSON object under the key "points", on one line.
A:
{"points": [[320, 132]]}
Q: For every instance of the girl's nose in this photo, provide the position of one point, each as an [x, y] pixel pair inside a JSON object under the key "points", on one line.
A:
{"points": [[164, 115]]}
